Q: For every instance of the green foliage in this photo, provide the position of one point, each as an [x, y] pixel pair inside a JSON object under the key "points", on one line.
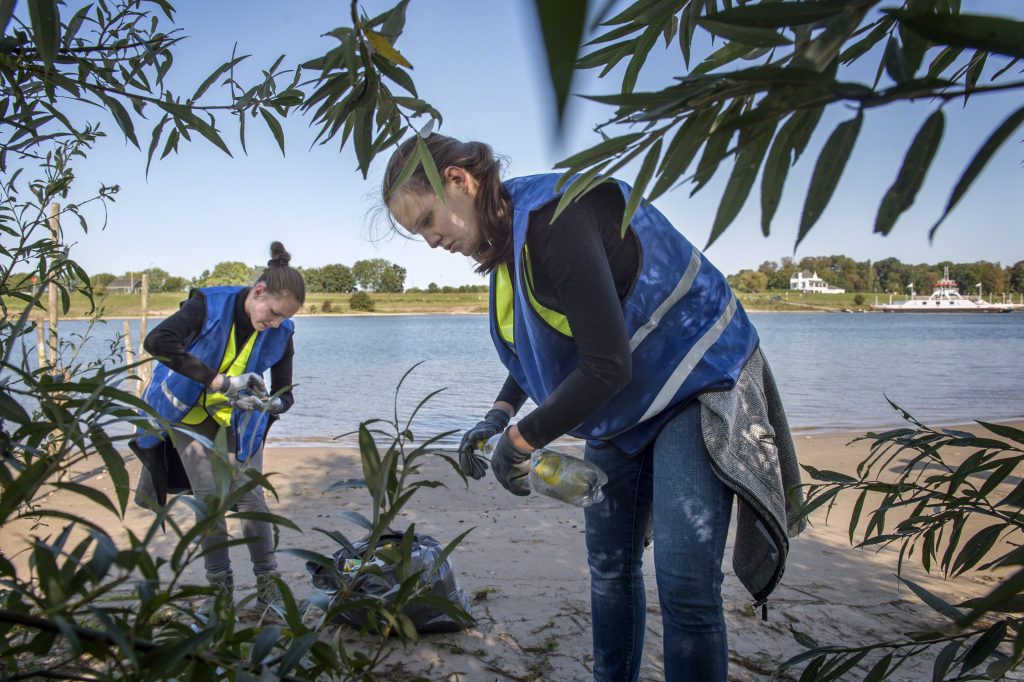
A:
{"points": [[379, 276], [859, 299], [353, 92], [228, 272], [749, 281], [361, 301], [327, 306], [759, 96], [951, 500]]}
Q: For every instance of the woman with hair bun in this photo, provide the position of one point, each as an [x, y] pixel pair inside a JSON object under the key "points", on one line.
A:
{"points": [[212, 355]]}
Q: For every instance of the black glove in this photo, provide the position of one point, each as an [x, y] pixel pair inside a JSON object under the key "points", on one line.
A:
{"points": [[511, 467], [472, 464]]}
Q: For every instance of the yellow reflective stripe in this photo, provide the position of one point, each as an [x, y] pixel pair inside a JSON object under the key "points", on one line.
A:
{"points": [[504, 312], [231, 365], [555, 320]]}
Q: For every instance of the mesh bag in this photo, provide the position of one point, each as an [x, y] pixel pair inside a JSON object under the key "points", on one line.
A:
{"points": [[426, 551]]}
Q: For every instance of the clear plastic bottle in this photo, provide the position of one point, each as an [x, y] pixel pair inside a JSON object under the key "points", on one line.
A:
{"points": [[560, 476]]}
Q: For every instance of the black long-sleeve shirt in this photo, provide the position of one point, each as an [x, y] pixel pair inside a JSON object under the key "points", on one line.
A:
{"points": [[171, 338], [584, 268]]}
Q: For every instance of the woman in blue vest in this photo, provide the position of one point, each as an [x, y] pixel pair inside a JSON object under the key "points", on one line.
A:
{"points": [[635, 343], [213, 352]]}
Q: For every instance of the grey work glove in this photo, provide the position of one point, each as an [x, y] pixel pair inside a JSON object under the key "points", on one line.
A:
{"points": [[250, 402], [472, 464], [250, 381], [511, 467]]}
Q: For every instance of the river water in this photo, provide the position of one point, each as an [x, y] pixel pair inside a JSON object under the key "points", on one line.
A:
{"points": [[834, 370]]}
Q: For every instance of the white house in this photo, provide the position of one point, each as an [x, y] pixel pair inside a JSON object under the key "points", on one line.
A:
{"points": [[803, 281]]}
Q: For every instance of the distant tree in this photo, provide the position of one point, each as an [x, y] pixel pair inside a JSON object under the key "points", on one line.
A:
{"points": [[337, 278], [313, 278], [392, 280], [433, 288], [379, 275], [769, 268], [101, 280], [748, 281], [228, 272], [1015, 276], [174, 284]]}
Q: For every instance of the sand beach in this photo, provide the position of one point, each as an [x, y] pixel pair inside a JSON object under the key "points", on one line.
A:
{"points": [[524, 569]]}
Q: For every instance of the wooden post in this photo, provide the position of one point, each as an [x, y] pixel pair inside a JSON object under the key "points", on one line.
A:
{"points": [[144, 369], [41, 342], [54, 338], [129, 354]]}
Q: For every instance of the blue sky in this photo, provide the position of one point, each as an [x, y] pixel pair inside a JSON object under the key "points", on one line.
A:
{"points": [[481, 65]]}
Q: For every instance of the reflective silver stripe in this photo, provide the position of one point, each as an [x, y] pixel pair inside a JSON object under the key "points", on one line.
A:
{"points": [[173, 399], [685, 368], [685, 282]]}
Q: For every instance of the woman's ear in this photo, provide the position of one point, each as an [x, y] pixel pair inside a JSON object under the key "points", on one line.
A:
{"points": [[456, 176], [258, 289]]}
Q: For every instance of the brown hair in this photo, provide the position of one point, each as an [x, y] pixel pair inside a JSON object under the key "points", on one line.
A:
{"points": [[493, 204], [281, 278]]}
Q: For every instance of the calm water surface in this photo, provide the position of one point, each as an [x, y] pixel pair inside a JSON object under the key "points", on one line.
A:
{"points": [[834, 370]]}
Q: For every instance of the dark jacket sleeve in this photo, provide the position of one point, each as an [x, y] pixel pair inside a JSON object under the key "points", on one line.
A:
{"points": [[574, 261], [169, 340]]}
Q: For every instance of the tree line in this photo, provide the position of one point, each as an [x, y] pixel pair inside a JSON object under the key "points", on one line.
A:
{"points": [[376, 275], [884, 276]]}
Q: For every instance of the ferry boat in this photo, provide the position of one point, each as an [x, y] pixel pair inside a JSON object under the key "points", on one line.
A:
{"points": [[945, 299]]}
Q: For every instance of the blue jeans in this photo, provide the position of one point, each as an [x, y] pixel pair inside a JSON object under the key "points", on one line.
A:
{"points": [[669, 487]]}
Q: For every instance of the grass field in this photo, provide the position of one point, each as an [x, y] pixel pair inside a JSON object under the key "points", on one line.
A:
{"points": [[161, 305]]}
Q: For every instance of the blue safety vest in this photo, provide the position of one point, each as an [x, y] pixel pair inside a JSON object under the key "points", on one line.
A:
{"points": [[687, 332], [172, 395]]}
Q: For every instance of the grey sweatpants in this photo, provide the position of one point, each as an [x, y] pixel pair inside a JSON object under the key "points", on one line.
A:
{"points": [[259, 535]]}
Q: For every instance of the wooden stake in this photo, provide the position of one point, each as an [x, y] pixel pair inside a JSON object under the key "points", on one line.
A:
{"points": [[54, 338], [144, 370], [129, 355], [41, 341]]}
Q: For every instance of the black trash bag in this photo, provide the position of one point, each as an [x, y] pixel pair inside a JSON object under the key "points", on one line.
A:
{"points": [[425, 553], [167, 473]]}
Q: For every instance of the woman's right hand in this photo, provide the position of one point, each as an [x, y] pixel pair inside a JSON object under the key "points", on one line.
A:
{"points": [[233, 386]]}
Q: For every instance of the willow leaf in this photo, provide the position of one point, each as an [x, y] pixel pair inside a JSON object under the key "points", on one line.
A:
{"points": [[429, 168], [600, 151], [990, 34], [561, 26], [275, 128], [754, 37], [642, 47], [6, 11], [744, 171], [977, 164], [642, 178], [780, 15], [827, 171], [714, 151], [916, 163], [683, 148], [776, 168], [45, 18]]}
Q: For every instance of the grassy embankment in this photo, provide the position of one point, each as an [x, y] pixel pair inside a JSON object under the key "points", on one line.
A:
{"points": [[160, 305]]}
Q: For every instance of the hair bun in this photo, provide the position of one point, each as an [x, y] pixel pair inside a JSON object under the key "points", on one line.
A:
{"points": [[279, 257]]}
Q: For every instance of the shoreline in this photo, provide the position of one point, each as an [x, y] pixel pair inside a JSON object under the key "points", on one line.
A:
{"points": [[800, 432], [159, 314]]}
